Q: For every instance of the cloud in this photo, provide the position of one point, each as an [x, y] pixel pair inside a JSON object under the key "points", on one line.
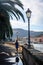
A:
{"points": [[37, 11], [36, 20], [19, 24]]}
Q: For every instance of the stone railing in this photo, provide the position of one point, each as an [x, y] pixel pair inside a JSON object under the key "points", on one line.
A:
{"points": [[32, 56]]}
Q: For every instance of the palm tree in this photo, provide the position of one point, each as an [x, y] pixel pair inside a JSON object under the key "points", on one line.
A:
{"points": [[5, 27], [6, 8]]}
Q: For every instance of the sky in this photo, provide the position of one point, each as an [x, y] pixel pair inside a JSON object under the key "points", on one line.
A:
{"points": [[36, 20]]}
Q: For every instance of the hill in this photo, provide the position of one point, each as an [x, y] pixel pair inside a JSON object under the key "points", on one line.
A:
{"points": [[35, 34], [20, 33], [24, 33]]}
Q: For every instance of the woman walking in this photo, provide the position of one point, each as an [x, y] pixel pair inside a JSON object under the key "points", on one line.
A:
{"points": [[16, 45]]}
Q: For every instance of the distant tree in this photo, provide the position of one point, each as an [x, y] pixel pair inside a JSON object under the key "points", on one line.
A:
{"points": [[6, 8]]}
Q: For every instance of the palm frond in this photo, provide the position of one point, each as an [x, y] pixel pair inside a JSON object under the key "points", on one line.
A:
{"points": [[19, 13], [12, 10], [12, 3], [7, 7]]}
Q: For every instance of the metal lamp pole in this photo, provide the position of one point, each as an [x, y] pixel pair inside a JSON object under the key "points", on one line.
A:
{"points": [[28, 13], [17, 35]]}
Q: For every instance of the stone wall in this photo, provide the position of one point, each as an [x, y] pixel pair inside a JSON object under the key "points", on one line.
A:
{"points": [[31, 58]]}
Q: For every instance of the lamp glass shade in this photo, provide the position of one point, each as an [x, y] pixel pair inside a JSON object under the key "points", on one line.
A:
{"points": [[28, 14]]}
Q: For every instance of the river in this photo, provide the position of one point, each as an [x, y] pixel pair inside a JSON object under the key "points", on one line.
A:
{"points": [[38, 46]]}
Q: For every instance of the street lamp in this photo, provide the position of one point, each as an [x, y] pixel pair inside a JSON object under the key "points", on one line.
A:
{"points": [[28, 13], [17, 35]]}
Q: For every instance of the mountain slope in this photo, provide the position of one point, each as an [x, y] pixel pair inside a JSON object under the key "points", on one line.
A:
{"points": [[34, 34], [20, 33], [24, 33]]}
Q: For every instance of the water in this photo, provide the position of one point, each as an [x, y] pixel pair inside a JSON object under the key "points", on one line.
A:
{"points": [[38, 47], [13, 60]]}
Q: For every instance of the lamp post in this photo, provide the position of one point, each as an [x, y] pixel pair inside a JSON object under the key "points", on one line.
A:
{"points": [[17, 35], [28, 13]]}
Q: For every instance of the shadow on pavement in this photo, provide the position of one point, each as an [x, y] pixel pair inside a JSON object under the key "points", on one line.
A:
{"points": [[4, 62]]}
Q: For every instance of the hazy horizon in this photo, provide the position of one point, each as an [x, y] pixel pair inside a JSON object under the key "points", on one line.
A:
{"points": [[27, 30]]}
